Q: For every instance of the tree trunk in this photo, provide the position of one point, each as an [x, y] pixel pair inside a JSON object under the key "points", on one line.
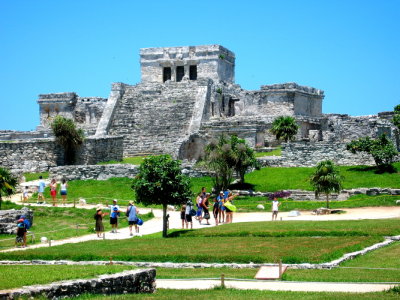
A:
{"points": [[327, 200], [164, 231], [1, 200]]}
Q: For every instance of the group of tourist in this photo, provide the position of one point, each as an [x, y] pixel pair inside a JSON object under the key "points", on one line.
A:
{"points": [[132, 213], [222, 209], [53, 191]]}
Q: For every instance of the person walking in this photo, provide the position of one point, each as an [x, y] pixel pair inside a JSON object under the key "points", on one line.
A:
{"points": [[63, 191], [21, 233], [133, 217], [41, 187], [114, 216], [99, 227], [53, 191], [183, 216], [26, 194], [188, 215], [205, 205], [229, 207], [199, 212], [216, 210], [275, 208], [221, 201]]}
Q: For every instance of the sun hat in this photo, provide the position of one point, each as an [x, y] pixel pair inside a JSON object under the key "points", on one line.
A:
{"points": [[221, 192], [115, 200], [20, 221], [99, 207], [131, 202]]}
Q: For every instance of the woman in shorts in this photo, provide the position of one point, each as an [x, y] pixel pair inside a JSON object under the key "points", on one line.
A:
{"points": [[183, 218], [63, 191], [216, 210], [53, 191]]}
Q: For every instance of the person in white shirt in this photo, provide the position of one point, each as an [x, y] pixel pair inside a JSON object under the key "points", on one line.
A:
{"points": [[275, 205]]}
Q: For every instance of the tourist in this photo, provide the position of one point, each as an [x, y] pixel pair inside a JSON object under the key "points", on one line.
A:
{"points": [[114, 216], [26, 194], [63, 191], [275, 205], [21, 233], [99, 220], [216, 210], [188, 214], [199, 212], [41, 187], [53, 191], [205, 204], [183, 216], [133, 217], [221, 200], [229, 207]]}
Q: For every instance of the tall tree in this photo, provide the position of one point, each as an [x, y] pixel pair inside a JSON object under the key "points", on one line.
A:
{"points": [[243, 157], [68, 136], [160, 181], [7, 183], [326, 179], [284, 128]]}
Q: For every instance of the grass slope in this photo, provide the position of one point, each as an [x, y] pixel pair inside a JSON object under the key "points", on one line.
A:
{"points": [[293, 242]]}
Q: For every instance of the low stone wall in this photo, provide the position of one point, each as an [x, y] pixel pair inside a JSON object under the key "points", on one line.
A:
{"points": [[8, 219], [38, 155], [308, 154], [136, 281], [104, 172]]}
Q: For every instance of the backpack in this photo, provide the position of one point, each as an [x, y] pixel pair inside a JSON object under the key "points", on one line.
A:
{"points": [[95, 216], [27, 224]]}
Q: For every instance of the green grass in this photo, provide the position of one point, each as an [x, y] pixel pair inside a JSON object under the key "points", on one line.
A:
{"points": [[60, 222], [292, 241], [249, 204], [275, 152], [275, 179], [20, 275], [35, 176], [220, 294], [136, 160]]}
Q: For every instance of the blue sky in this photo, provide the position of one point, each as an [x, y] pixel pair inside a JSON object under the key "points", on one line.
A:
{"points": [[349, 49]]}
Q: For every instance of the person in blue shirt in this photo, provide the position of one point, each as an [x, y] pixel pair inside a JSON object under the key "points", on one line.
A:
{"points": [[133, 216], [41, 186], [114, 216]]}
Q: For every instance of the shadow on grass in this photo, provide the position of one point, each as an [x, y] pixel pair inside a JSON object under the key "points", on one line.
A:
{"points": [[377, 170], [242, 186]]}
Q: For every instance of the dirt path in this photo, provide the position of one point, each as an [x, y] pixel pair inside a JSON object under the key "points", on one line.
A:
{"points": [[276, 285]]}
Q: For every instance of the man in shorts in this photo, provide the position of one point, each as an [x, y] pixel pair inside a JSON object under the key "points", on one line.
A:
{"points": [[132, 213], [114, 216], [275, 205], [188, 216]]}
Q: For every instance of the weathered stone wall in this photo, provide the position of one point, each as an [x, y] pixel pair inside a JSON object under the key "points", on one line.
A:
{"points": [[133, 281], [38, 155], [308, 154], [30, 155], [100, 149], [8, 219], [104, 172]]}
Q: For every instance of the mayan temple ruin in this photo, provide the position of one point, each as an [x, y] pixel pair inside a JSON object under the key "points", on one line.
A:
{"points": [[186, 97]]}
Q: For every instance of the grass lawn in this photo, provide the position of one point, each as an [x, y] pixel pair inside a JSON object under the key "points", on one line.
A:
{"points": [[275, 179], [293, 242], [350, 271], [60, 222], [219, 293], [17, 275], [276, 152], [136, 160], [249, 204], [35, 176]]}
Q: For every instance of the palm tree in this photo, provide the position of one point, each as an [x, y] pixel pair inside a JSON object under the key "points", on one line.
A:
{"points": [[7, 183], [284, 128], [326, 179], [67, 136]]}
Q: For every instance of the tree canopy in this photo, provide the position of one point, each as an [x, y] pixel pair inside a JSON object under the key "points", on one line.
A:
{"points": [[396, 117], [326, 179], [382, 149], [284, 128], [8, 182], [160, 181], [228, 155], [68, 136]]}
